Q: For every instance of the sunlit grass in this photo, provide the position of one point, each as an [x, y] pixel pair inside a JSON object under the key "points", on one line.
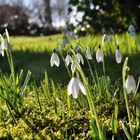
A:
{"points": [[35, 44], [34, 53], [47, 112]]}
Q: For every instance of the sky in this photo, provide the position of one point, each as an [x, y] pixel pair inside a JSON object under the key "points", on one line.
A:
{"points": [[27, 2], [56, 21]]}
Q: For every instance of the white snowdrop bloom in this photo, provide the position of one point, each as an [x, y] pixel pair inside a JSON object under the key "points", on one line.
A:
{"points": [[71, 34], [79, 58], [118, 55], [2, 46], [64, 41], [104, 38], [4, 43], [74, 85], [73, 66], [110, 37], [130, 84], [131, 28], [1, 51], [54, 59], [77, 48], [68, 59], [99, 55], [89, 53]]}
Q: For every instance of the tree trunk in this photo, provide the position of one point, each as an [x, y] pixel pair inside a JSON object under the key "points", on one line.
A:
{"points": [[48, 18]]}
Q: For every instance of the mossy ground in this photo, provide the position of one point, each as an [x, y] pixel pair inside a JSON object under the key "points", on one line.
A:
{"points": [[47, 116]]}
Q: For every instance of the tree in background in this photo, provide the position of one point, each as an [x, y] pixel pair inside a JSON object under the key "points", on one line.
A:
{"points": [[14, 18], [47, 14], [59, 12], [38, 17], [41, 16], [130, 11], [103, 14]]}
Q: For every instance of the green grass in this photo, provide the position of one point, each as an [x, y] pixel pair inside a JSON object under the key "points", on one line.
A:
{"points": [[34, 53], [46, 111]]}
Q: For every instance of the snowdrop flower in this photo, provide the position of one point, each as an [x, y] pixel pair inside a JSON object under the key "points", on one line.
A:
{"points": [[132, 30], [130, 84], [5, 43], [71, 34], [1, 51], [110, 37], [73, 66], [89, 53], [77, 48], [79, 58], [118, 55], [68, 59], [74, 85], [54, 59], [2, 47], [104, 38], [64, 41], [99, 55]]}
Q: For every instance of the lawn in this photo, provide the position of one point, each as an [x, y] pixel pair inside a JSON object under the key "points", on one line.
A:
{"points": [[45, 111], [34, 53]]}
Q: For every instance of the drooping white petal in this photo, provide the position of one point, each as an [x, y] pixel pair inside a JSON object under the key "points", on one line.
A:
{"points": [[81, 86], [110, 37], [104, 38], [75, 88], [72, 35], [131, 28], [52, 59], [99, 55], [88, 53], [68, 59], [80, 58], [74, 85], [77, 57], [73, 66], [118, 56], [70, 86], [130, 84], [2, 43], [64, 41], [1, 50], [5, 43], [56, 60]]}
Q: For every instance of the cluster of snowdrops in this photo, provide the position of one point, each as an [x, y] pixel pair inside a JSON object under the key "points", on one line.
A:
{"points": [[75, 83]]}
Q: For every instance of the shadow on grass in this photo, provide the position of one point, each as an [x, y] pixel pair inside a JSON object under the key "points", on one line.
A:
{"points": [[39, 62]]}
